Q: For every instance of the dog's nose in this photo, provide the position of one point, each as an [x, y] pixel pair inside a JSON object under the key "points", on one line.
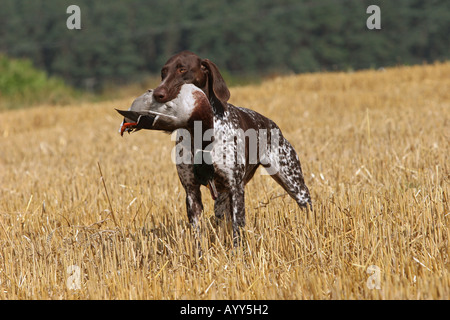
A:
{"points": [[160, 94]]}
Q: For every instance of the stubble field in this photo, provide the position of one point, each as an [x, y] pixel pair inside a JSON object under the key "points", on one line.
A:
{"points": [[86, 214]]}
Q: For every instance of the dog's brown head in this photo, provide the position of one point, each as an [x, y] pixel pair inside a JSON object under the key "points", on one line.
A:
{"points": [[187, 67]]}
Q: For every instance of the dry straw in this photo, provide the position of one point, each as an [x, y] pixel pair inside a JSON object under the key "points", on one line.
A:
{"points": [[374, 147]]}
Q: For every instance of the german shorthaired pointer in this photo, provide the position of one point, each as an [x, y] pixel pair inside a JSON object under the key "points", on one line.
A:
{"points": [[187, 67], [218, 144]]}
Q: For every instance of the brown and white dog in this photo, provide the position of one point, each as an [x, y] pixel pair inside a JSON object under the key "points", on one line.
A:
{"points": [[218, 144], [221, 152], [187, 67]]}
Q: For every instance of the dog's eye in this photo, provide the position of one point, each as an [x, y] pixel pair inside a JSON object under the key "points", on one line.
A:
{"points": [[182, 70]]}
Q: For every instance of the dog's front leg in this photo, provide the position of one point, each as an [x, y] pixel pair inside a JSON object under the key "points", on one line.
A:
{"points": [[237, 213], [194, 206]]}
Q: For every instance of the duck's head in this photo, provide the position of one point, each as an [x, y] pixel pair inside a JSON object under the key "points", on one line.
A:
{"points": [[189, 106]]}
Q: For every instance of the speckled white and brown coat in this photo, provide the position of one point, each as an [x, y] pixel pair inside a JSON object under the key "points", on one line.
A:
{"points": [[232, 158]]}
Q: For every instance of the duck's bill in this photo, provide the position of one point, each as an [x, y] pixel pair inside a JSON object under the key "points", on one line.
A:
{"points": [[134, 121]]}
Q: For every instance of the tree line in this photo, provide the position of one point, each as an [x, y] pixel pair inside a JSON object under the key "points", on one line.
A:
{"points": [[123, 41]]}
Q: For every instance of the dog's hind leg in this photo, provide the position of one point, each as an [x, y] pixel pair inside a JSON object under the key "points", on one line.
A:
{"points": [[231, 207], [222, 206]]}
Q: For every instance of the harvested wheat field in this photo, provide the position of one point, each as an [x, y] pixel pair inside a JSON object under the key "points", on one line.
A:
{"points": [[87, 214]]}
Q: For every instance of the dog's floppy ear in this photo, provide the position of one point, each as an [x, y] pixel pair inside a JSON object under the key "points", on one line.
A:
{"points": [[218, 92]]}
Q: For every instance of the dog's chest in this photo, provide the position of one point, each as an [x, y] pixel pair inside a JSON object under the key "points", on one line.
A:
{"points": [[228, 153]]}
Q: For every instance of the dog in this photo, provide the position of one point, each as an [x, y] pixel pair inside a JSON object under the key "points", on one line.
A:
{"points": [[187, 67], [220, 147]]}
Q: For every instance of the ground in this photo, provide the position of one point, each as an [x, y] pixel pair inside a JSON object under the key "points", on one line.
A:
{"points": [[87, 214]]}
